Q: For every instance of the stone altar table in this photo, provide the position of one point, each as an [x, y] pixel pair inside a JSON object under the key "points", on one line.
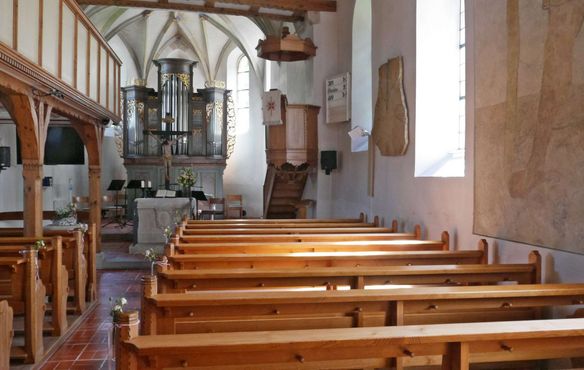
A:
{"points": [[154, 215]]}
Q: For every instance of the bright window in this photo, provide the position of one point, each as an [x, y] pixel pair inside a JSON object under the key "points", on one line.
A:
{"points": [[362, 76], [440, 88], [242, 100]]}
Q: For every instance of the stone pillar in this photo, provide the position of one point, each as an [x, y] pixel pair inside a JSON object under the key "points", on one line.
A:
{"points": [[32, 173]]}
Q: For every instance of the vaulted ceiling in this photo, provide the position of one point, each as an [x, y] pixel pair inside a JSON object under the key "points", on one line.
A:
{"points": [[283, 10]]}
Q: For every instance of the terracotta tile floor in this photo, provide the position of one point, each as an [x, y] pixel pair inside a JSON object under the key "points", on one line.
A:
{"points": [[87, 348]]}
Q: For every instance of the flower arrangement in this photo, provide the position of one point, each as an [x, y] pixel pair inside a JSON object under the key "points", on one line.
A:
{"points": [[66, 216], [187, 178], [65, 212], [151, 255], [117, 307], [168, 231], [38, 245], [83, 228], [155, 259]]}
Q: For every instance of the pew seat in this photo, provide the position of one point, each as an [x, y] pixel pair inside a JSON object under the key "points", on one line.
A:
{"points": [[456, 346], [53, 273], [74, 258], [25, 292]]}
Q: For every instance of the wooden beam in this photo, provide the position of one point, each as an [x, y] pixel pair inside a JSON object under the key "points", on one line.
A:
{"points": [[293, 5], [209, 9]]}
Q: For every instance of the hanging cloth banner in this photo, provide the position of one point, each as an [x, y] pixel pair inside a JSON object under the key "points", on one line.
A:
{"points": [[274, 107]]}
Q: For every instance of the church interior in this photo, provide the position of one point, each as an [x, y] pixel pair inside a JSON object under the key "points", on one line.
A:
{"points": [[291, 184]]}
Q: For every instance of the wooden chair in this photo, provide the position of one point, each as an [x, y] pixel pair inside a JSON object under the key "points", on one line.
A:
{"points": [[233, 206], [216, 209], [80, 202]]}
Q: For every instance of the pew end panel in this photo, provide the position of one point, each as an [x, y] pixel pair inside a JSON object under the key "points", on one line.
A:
{"points": [[445, 237], [394, 226], [6, 333], [535, 259], [483, 246], [418, 232]]}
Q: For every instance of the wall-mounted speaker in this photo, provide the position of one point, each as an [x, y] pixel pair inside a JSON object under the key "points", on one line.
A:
{"points": [[328, 161], [4, 157]]}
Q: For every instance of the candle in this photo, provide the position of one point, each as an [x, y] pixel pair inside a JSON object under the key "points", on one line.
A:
{"points": [[149, 184], [142, 184]]}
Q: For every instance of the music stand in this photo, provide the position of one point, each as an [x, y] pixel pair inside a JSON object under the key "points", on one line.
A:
{"points": [[116, 186], [199, 196]]}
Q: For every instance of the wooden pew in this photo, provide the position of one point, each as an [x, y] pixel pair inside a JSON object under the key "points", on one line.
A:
{"points": [[362, 219], [22, 288], [177, 247], [89, 249], [457, 344], [300, 238], [285, 231], [178, 281], [179, 313], [327, 259], [280, 225], [74, 258], [6, 333], [53, 273]]}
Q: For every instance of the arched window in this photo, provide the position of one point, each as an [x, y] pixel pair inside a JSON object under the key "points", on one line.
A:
{"points": [[242, 91], [361, 71], [440, 88]]}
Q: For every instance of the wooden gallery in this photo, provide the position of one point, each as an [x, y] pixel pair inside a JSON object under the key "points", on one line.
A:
{"points": [[287, 184]]}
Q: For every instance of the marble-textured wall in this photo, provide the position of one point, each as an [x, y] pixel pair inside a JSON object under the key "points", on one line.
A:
{"points": [[530, 122]]}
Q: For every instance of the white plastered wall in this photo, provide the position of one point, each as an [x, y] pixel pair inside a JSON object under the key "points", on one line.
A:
{"points": [[436, 203]]}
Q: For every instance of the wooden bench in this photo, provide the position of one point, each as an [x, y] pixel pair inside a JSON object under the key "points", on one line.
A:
{"points": [[179, 313], [22, 288], [178, 247], [74, 259], [285, 231], [89, 251], [178, 281], [455, 345], [280, 225], [6, 333], [362, 219], [299, 238], [328, 259], [53, 273]]}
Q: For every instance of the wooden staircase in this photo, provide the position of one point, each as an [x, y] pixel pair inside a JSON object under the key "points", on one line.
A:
{"points": [[283, 189]]}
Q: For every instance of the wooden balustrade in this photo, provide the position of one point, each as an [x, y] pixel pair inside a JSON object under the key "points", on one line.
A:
{"points": [[55, 43]]}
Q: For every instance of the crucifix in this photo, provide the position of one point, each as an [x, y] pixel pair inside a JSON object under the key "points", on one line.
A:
{"points": [[166, 141]]}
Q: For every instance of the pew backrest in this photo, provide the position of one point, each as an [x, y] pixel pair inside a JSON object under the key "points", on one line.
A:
{"points": [[354, 277], [326, 259], [252, 311]]}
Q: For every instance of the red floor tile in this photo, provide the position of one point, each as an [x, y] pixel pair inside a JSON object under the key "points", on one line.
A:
{"points": [[87, 348]]}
